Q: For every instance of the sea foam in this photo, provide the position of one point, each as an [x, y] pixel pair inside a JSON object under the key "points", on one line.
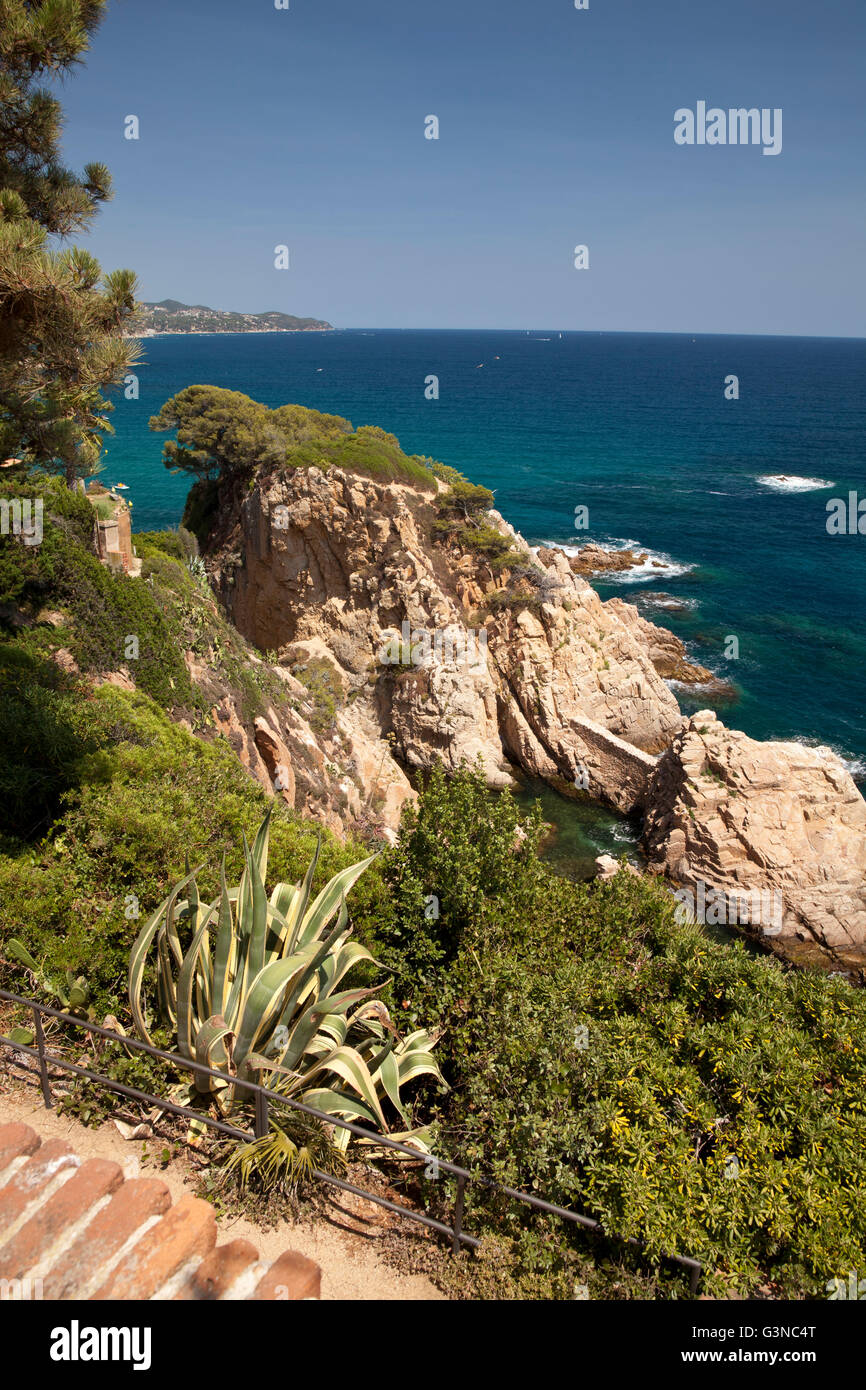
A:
{"points": [[789, 482]]}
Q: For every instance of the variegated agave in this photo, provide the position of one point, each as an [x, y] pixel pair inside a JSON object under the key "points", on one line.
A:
{"points": [[256, 994]]}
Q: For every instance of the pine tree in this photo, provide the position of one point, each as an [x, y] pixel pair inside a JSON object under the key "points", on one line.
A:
{"points": [[62, 322]]}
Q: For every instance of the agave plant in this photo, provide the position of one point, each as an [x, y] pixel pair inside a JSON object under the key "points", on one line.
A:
{"points": [[256, 994]]}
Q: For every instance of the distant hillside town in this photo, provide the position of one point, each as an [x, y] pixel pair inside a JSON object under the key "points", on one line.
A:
{"points": [[170, 316]]}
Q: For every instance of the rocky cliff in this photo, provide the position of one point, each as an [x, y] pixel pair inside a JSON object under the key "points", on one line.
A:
{"points": [[435, 652]]}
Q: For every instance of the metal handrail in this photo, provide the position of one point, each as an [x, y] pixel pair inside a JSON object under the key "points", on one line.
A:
{"points": [[263, 1096]]}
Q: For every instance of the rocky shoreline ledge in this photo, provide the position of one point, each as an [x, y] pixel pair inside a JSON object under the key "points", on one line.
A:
{"points": [[327, 570]]}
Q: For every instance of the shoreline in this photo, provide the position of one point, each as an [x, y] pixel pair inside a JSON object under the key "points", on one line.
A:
{"points": [[220, 332]]}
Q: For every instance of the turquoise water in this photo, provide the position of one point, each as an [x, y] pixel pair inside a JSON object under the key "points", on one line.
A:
{"points": [[580, 830], [636, 428]]}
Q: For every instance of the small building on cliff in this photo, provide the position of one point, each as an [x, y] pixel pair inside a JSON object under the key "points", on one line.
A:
{"points": [[113, 532]]}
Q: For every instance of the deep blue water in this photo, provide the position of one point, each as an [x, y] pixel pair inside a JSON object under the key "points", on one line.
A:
{"points": [[635, 427]]}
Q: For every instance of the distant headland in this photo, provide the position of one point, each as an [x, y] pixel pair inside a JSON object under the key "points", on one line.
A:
{"points": [[171, 316]]}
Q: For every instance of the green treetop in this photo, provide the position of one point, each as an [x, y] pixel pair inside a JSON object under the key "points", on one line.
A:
{"points": [[62, 322]]}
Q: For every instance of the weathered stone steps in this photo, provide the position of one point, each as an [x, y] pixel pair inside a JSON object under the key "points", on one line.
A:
{"points": [[74, 1230]]}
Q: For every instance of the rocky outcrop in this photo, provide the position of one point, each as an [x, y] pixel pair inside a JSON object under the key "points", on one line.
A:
{"points": [[777, 830], [398, 651], [595, 559], [668, 654], [555, 681]]}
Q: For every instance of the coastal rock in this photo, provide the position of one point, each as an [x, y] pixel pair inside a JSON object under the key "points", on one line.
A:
{"points": [[760, 819], [397, 651], [556, 681], [595, 559], [665, 650], [606, 868], [658, 598]]}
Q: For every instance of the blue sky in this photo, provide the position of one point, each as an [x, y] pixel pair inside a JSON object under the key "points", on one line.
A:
{"points": [[306, 127]]}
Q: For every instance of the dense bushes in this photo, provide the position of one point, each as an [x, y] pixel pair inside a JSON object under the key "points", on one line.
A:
{"points": [[46, 727], [102, 609], [462, 512], [368, 450], [151, 795], [688, 1093], [224, 435]]}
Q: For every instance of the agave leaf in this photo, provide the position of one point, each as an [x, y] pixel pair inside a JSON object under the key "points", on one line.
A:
{"points": [[334, 1102], [350, 955], [213, 1049], [307, 980], [263, 1005], [283, 896], [390, 1078], [204, 973], [335, 1028], [413, 1138], [169, 930], [418, 1064], [302, 897], [345, 1063], [138, 955], [165, 987], [322, 910], [254, 860], [256, 952], [224, 943], [309, 1022], [186, 981]]}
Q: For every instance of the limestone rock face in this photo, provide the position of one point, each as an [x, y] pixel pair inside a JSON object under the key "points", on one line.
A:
{"points": [[563, 687], [399, 652], [669, 656], [762, 819]]}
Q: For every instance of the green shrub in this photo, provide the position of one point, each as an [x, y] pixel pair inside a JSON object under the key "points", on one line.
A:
{"points": [[368, 450], [106, 609], [610, 1059], [76, 898]]}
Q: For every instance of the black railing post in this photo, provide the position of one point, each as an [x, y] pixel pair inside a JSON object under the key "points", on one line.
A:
{"points": [[262, 1098], [43, 1068], [458, 1214], [261, 1115]]}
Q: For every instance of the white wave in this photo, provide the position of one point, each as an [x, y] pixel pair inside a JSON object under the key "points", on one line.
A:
{"points": [[656, 565], [666, 602], [789, 482], [623, 834]]}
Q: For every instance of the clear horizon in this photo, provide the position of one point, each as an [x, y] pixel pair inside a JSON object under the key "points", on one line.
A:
{"points": [[504, 328], [306, 128]]}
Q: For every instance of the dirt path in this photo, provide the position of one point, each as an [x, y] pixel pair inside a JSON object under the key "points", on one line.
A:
{"points": [[351, 1267]]}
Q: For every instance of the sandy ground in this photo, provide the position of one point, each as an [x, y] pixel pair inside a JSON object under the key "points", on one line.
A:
{"points": [[351, 1267]]}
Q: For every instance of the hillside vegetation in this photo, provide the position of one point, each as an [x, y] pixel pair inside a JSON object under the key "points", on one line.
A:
{"points": [[692, 1095], [224, 436]]}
